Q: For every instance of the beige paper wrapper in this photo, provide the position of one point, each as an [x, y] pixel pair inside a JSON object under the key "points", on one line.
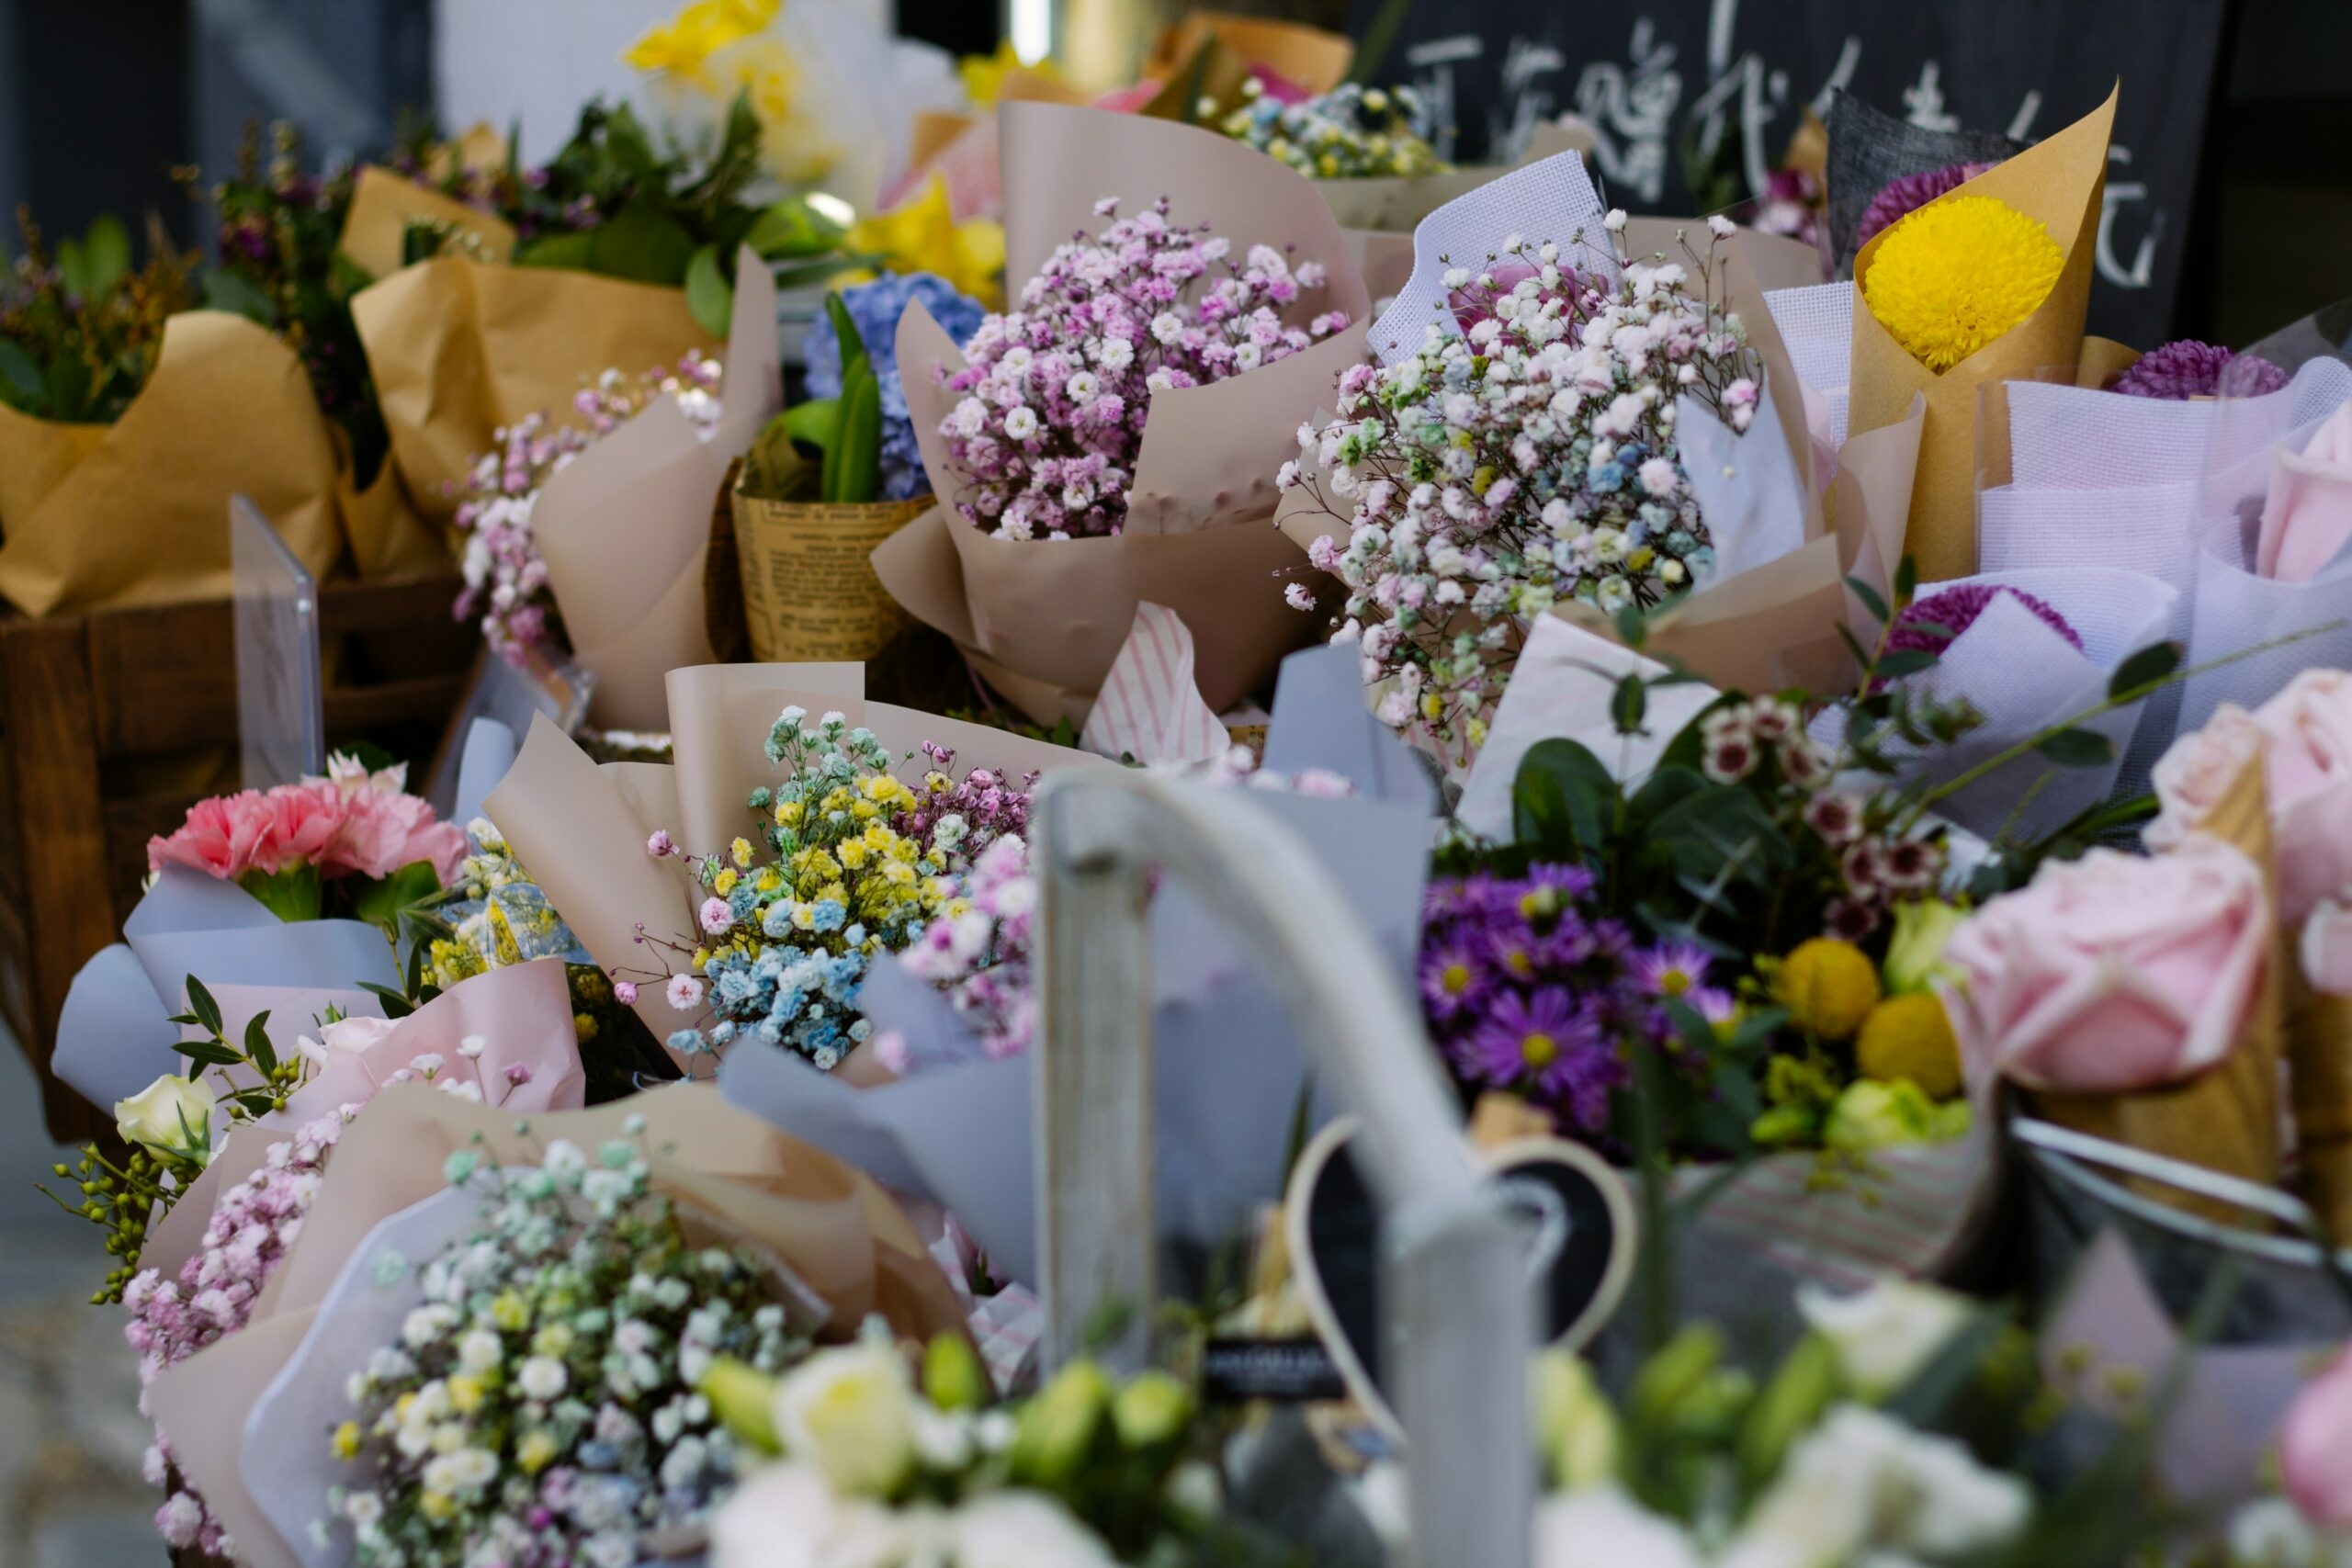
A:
{"points": [[826, 1222], [137, 512], [460, 349], [580, 829], [809, 591], [2058, 181], [2225, 1119], [1043, 620], [1394, 204], [625, 527], [375, 227]]}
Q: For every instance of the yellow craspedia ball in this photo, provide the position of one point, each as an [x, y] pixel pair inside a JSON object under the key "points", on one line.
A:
{"points": [[1956, 274], [1828, 986], [1910, 1037]]}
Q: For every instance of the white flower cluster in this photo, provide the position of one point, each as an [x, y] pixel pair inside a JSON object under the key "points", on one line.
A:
{"points": [[1527, 459]]}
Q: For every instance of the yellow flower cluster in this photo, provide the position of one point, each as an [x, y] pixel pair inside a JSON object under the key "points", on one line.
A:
{"points": [[921, 234], [1957, 273], [701, 30]]}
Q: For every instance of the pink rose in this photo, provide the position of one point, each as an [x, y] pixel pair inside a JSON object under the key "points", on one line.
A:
{"points": [[2197, 770], [2315, 1447], [2309, 728], [352, 1034], [2326, 950], [2113, 972], [224, 837], [2307, 517]]}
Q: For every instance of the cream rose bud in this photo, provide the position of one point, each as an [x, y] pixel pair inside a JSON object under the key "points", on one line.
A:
{"points": [[2112, 973], [2194, 774], [172, 1113], [851, 1413], [1886, 1333], [344, 1034]]}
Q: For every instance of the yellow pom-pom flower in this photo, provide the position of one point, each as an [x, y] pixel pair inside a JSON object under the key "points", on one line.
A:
{"points": [[1956, 274], [1828, 986], [1910, 1037]]}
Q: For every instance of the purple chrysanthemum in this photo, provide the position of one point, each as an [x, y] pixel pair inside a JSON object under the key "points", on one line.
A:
{"points": [[1906, 196], [1673, 969], [1452, 977], [1956, 609], [1533, 1042], [2188, 368]]}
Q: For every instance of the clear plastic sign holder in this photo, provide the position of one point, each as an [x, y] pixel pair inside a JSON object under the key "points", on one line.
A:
{"points": [[281, 704], [508, 694]]}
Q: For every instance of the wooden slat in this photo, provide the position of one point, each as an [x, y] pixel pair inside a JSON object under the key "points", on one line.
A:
{"points": [[162, 677], [426, 698]]}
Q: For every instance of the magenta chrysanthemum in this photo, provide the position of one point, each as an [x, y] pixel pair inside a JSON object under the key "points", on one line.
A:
{"points": [[1907, 195], [1956, 609], [2185, 369]]}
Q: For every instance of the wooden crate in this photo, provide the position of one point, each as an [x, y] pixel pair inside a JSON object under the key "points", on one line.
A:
{"points": [[113, 723]]}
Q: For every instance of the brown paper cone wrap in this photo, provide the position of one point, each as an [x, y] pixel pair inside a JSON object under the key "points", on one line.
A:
{"points": [[1043, 620], [137, 512], [2319, 1071], [387, 535], [383, 204], [1395, 204], [2058, 181], [809, 591], [1315, 59], [2225, 1119], [459, 349]]}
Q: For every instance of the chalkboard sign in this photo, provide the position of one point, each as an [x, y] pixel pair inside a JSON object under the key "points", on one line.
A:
{"points": [[1718, 86]]}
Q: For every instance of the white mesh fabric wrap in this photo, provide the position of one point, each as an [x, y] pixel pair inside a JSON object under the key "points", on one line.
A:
{"points": [[1816, 325], [1552, 199]]}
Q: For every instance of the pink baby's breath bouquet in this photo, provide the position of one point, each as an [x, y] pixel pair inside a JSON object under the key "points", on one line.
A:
{"points": [[1113, 439], [355, 839], [1051, 407]]}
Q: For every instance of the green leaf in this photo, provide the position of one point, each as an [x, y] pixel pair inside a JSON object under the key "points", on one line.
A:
{"points": [[1633, 626], [2146, 667], [813, 421], [68, 386], [2077, 748], [107, 250], [201, 1002], [1661, 789], [1907, 579], [791, 230], [381, 899], [644, 245], [1628, 704], [854, 461], [710, 298], [1869, 596], [1563, 800], [206, 1053], [845, 334], [1723, 831], [572, 253], [240, 296], [1934, 631], [294, 894], [395, 1004], [1905, 661], [73, 268], [257, 1047], [20, 377]]}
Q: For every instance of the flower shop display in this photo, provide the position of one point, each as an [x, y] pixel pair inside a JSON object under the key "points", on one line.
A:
{"points": [[128, 419], [1367, 149], [1160, 495], [804, 526]]}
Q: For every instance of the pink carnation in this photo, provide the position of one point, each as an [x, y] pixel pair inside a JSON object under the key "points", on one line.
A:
{"points": [[224, 837], [382, 831]]}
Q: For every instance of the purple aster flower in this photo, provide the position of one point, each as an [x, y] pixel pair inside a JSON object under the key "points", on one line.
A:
{"points": [[1512, 949], [1451, 979], [1533, 1040], [1956, 609], [1672, 969], [1903, 197], [2185, 369]]}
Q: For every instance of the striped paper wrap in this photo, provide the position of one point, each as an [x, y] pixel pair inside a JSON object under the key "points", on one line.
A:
{"points": [[1908, 1214], [1149, 709]]}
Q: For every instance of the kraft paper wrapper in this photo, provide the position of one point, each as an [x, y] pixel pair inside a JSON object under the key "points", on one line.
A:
{"points": [[137, 512], [826, 1222], [1316, 60], [375, 228], [2225, 1119], [1043, 620], [2319, 1070], [809, 591], [460, 349], [625, 526], [580, 829], [1395, 203], [387, 534], [2058, 181]]}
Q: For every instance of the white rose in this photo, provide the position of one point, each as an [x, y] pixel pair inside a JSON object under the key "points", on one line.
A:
{"points": [[172, 1113], [851, 1413], [1863, 1482], [1883, 1334], [1023, 1530], [1602, 1524], [788, 1515]]}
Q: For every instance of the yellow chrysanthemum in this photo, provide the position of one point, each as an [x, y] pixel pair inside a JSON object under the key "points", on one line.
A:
{"points": [[1958, 273]]}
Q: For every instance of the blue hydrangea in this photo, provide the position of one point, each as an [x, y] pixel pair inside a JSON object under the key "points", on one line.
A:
{"points": [[875, 307]]}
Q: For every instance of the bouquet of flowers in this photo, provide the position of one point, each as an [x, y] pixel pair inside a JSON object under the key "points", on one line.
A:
{"points": [[1349, 132], [352, 842], [863, 863], [1532, 457], [506, 578], [1089, 1472], [80, 331], [539, 1403], [1052, 401]]}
